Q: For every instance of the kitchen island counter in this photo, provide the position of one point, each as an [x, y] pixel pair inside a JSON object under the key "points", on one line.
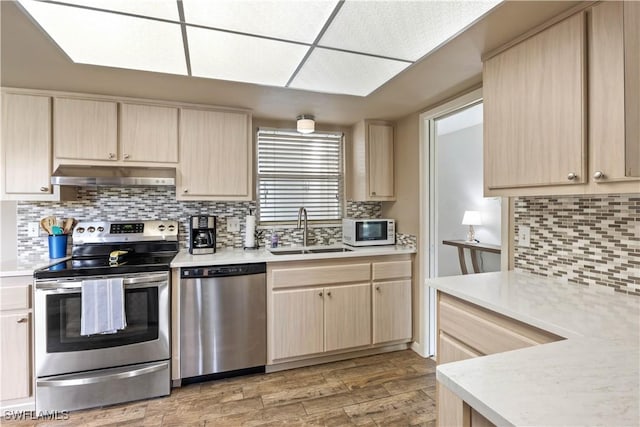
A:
{"points": [[590, 378], [239, 256]]}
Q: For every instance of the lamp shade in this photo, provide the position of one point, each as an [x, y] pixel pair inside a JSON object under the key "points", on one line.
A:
{"points": [[306, 123], [472, 218]]}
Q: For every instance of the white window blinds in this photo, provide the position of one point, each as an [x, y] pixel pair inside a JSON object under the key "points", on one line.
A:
{"points": [[297, 170]]}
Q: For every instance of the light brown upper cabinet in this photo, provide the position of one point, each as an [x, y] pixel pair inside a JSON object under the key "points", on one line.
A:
{"points": [[26, 146], [370, 165], [562, 107], [215, 155], [90, 131], [534, 110], [614, 87], [148, 133], [85, 129]]}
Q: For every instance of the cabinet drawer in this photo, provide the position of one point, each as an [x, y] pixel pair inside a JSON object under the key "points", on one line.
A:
{"points": [[15, 297], [309, 276], [391, 270], [452, 350], [485, 331]]}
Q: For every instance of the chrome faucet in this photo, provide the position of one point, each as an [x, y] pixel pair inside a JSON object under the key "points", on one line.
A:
{"points": [[301, 211]]}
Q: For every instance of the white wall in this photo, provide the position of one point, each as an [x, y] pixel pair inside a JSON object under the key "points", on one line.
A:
{"points": [[459, 188], [8, 231]]}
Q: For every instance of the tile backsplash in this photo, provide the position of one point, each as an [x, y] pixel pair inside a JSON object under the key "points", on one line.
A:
{"points": [[583, 239], [120, 203]]}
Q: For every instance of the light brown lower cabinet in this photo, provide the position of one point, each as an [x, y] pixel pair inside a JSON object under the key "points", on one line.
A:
{"points": [[16, 380], [325, 307], [466, 330]]}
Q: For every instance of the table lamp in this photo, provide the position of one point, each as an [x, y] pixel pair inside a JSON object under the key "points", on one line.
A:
{"points": [[471, 218]]}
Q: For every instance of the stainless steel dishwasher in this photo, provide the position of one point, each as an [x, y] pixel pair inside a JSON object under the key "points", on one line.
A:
{"points": [[223, 321]]}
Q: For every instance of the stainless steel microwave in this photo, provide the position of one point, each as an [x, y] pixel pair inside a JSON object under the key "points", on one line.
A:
{"points": [[368, 232]]}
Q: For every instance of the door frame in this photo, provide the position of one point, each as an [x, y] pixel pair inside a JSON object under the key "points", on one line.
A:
{"points": [[427, 294]]}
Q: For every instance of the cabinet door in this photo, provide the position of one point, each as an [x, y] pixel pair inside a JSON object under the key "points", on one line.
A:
{"points": [[534, 110], [451, 410], [149, 133], [297, 323], [391, 311], [215, 155], [380, 173], [15, 370], [613, 132], [85, 129], [632, 86], [26, 141], [347, 314]]}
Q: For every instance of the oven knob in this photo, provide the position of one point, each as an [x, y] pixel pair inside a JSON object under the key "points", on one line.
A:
{"points": [[101, 229], [172, 227], [91, 229], [79, 230], [161, 227]]}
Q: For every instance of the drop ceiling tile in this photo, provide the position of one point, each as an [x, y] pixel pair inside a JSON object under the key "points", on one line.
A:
{"points": [[226, 56], [293, 20], [400, 29], [112, 40], [333, 71], [163, 9]]}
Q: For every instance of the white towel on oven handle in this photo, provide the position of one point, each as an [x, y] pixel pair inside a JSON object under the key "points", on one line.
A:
{"points": [[102, 307]]}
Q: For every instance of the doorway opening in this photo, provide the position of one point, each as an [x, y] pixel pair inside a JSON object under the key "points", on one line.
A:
{"points": [[452, 185]]}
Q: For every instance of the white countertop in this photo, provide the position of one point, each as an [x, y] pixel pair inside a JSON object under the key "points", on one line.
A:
{"points": [[240, 256], [591, 378], [26, 266]]}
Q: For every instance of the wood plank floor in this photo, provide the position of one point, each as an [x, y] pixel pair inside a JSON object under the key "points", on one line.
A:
{"points": [[392, 389]]}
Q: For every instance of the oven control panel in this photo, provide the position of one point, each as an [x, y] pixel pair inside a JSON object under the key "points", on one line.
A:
{"points": [[124, 231]]}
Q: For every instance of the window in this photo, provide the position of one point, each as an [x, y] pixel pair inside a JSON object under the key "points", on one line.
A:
{"points": [[297, 170]]}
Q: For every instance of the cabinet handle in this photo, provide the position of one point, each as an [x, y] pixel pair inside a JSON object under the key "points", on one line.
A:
{"points": [[22, 320], [378, 288], [112, 156], [44, 189], [186, 190], [126, 156], [373, 193], [598, 175], [328, 294], [320, 294], [571, 176]]}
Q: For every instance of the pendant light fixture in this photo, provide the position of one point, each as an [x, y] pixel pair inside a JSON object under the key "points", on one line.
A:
{"points": [[306, 123]]}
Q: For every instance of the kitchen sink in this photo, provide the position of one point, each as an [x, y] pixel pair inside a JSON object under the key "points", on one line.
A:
{"points": [[309, 250], [328, 250]]}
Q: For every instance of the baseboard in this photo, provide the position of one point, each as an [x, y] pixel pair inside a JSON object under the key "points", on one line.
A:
{"points": [[335, 357]]}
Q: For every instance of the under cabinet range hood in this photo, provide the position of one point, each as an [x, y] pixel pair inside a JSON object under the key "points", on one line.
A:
{"points": [[116, 176]]}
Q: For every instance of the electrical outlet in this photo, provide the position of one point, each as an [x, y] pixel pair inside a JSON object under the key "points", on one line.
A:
{"points": [[233, 225], [33, 229], [524, 236]]}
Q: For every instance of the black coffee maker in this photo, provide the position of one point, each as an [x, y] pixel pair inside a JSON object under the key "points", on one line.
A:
{"points": [[202, 234]]}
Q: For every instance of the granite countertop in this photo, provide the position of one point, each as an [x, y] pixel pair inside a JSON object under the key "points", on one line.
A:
{"points": [[590, 378], [240, 256]]}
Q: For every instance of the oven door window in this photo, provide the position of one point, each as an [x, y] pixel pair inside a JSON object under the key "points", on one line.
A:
{"points": [[63, 322], [371, 230]]}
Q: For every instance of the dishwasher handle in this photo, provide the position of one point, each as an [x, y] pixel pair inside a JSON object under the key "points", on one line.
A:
{"points": [[223, 270]]}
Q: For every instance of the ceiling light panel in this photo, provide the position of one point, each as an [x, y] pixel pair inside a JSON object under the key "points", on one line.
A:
{"points": [[333, 71], [112, 40], [227, 56], [296, 20], [163, 9], [400, 29]]}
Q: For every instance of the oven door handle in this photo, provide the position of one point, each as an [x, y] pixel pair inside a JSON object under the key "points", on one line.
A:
{"points": [[93, 378], [129, 283]]}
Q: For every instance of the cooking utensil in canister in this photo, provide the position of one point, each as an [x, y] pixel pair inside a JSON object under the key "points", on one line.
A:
{"points": [[47, 223]]}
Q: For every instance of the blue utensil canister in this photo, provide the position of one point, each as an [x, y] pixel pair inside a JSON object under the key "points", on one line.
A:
{"points": [[58, 246]]}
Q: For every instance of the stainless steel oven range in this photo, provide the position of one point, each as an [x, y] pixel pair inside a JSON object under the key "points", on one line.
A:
{"points": [[75, 370]]}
